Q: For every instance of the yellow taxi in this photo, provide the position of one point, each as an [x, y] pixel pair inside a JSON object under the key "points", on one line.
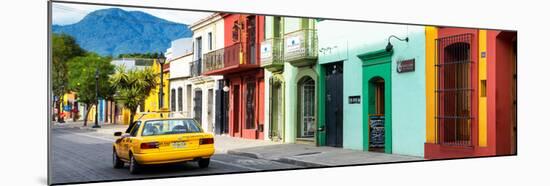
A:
{"points": [[160, 140]]}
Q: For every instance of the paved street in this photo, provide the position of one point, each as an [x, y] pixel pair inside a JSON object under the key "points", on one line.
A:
{"points": [[82, 155]]}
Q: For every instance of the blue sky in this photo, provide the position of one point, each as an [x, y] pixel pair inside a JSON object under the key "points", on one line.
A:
{"points": [[63, 14]]}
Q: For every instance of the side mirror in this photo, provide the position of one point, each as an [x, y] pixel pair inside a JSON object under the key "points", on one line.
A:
{"points": [[118, 133]]}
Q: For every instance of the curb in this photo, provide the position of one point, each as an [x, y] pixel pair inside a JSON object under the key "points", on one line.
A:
{"points": [[246, 154], [76, 127], [285, 160], [301, 162]]}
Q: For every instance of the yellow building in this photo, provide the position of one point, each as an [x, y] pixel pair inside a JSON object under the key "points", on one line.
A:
{"points": [[152, 101]]}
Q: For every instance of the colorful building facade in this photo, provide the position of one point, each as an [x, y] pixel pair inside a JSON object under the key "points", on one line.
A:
{"points": [[367, 100], [243, 81], [471, 92], [157, 100], [289, 57], [208, 37], [402, 89]]}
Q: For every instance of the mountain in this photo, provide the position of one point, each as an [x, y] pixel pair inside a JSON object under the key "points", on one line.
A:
{"points": [[115, 31]]}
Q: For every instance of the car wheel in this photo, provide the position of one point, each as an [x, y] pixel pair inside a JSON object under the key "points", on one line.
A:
{"points": [[117, 162], [203, 163], [134, 166]]}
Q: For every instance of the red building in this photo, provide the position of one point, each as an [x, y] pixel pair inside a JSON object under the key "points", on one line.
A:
{"points": [[474, 85], [243, 76]]}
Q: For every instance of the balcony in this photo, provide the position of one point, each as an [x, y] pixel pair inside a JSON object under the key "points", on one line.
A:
{"points": [[196, 68], [300, 47], [234, 60], [271, 56], [213, 60]]}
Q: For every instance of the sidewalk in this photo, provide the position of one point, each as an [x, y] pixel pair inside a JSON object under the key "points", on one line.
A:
{"points": [[223, 144], [312, 156], [108, 129]]}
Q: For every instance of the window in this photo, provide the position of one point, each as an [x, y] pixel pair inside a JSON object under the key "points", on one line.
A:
{"points": [[209, 40], [135, 128], [180, 99], [235, 31], [306, 96], [173, 126], [173, 100], [454, 90]]}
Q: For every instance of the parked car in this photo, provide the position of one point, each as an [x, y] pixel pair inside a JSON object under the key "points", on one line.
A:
{"points": [[161, 141]]}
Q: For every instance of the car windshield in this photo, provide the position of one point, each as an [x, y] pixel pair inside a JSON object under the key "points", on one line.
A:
{"points": [[173, 126]]}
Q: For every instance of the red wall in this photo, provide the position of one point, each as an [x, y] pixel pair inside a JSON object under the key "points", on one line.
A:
{"points": [[437, 151], [500, 64], [503, 104], [240, 77]]}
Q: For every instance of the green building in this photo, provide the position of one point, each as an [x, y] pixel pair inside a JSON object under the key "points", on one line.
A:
{"points": [[289, 56]]}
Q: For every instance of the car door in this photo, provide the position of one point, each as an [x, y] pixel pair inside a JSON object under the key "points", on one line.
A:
{"points": [[127, 140]]}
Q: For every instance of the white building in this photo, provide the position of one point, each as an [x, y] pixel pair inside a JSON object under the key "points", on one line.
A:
{"points": [[180, 56], [208, 36]]}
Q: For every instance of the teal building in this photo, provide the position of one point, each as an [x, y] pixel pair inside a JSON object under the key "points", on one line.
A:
{"points": [[371, 95]]}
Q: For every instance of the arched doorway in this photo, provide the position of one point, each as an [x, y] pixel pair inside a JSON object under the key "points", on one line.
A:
{"points": [[306, 109], [377, 115], [377, 104]]}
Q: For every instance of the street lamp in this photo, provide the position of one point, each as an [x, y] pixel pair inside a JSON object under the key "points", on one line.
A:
{"points": [[96, 97], [161, 59]]}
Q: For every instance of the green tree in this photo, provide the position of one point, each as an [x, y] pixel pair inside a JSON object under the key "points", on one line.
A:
{"points": [[82, 79], [133, 86], [64, 47]]}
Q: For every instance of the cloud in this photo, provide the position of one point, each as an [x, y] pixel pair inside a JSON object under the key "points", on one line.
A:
{"points": [[64, 14]]}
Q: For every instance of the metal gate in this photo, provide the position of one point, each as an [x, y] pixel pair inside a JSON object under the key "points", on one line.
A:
{"points": [[454, 90], [197, 109], [306, 90], [334, 104]]}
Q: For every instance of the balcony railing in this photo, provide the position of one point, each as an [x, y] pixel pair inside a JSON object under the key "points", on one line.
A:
{"points": [[222, 58], [235, 59], [196, 68], [271, 54], [300, 47], [232, 55], [213, 60]]}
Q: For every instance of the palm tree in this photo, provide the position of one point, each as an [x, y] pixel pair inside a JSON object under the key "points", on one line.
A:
{"points": [[133, 86]]}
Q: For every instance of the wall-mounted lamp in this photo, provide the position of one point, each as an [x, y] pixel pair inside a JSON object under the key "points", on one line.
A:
{"points": [[389, 47], [225, 88]]}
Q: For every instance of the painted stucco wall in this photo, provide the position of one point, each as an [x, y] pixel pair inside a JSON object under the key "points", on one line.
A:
{"points": [[215, 26], [292, 75], [343, 41]]}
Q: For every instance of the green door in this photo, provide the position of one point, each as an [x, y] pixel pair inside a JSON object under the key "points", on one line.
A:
{"points": [[377, 101]]}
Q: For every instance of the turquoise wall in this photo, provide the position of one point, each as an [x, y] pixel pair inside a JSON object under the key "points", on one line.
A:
{"points": [[343, 41]]}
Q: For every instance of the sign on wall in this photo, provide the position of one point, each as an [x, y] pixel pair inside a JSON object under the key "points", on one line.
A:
{"points": [[405, 66], [293, 46], [266, 51], [354, 99]]}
